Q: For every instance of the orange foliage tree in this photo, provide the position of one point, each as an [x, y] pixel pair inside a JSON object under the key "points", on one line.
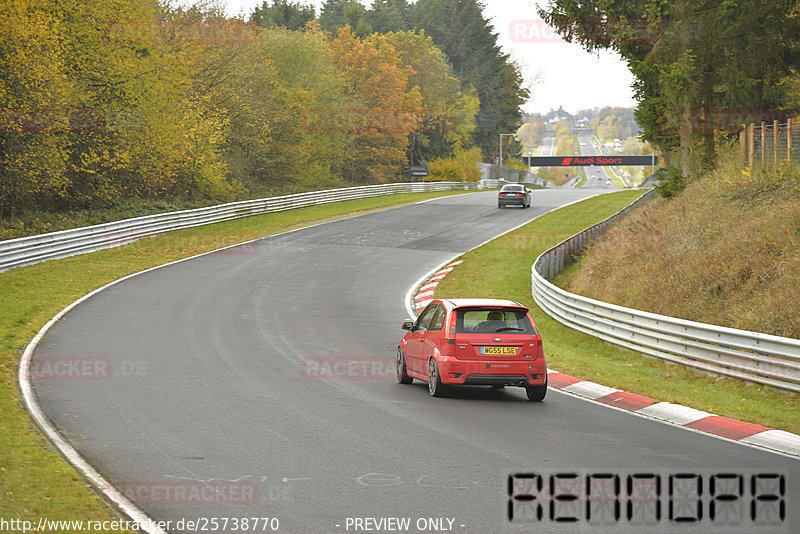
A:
{"points": [[383, 109]]}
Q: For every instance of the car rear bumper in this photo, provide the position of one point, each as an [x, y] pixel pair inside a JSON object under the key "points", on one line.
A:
{"points": [[493, 373], [511, 201]]}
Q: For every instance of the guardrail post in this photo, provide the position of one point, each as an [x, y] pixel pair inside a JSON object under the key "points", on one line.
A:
{"points": [[548, 271]]}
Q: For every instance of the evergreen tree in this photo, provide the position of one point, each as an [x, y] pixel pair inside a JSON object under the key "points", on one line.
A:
{"points": [[389, 16], [337, 14], [283, 14], [460, 29]]}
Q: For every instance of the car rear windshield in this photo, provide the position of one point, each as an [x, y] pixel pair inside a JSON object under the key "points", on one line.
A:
{"points": [[486, 321], [512, 188]]}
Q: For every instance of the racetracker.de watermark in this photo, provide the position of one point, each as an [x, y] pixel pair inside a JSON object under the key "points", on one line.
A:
{"points": [[206, 32], [190, 492], [199, 524], [625, 242], [84, 368], [70, 368], [51, 120], [349, 368], [371, 120], [720, 120], [537, 31], [229, 245]]}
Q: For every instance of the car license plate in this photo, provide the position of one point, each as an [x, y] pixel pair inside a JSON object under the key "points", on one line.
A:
{"points": [[502, 351]]}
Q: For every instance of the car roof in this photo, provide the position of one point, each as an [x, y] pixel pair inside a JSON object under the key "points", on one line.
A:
{"points": [[477, 303]]}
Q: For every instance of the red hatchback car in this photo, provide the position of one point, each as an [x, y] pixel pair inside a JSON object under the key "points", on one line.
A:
{"points": [[473, 342]]}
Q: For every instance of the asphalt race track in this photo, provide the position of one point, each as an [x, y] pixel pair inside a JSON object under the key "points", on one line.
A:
{"points": [[596, 176], [217, 382]]}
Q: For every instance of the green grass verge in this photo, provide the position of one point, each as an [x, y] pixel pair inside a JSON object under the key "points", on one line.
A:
{"points": [[501, 269], [617, 181], [584, 178], [34, 480]]}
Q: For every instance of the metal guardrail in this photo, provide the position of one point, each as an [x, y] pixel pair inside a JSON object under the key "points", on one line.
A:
{"points": [[490, 172], [493, 183], [750, 356], [38, 248]]}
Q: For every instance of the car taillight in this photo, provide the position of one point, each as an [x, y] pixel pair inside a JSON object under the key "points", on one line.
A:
{"points": [[451, 333]]}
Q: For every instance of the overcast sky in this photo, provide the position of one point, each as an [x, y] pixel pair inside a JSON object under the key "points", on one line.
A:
{"points": [[568, 76]]}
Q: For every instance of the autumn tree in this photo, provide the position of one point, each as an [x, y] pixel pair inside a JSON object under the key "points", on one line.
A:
{"points": [[286, 134], [36, 105], [168, 71], [102, 102], [615, 123], [531, 134], [383, 108]]}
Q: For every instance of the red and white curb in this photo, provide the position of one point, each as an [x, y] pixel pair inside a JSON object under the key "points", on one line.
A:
{"points": [[425, 292], [700, 421], [733, 429]]}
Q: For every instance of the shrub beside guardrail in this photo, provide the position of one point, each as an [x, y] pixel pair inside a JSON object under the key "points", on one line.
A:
{"points": [[751, 356], [34, 249]]}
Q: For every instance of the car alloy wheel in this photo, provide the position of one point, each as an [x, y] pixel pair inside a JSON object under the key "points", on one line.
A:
{"points": [[402, 373], [435, 386]]}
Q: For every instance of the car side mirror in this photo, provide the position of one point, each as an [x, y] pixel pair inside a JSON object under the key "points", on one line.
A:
{"points": [[408, 325]]}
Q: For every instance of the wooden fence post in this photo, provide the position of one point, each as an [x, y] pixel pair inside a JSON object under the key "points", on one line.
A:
{"points": [[763, 142], [789, 139], [751, 145], [743, 145], [775, 143]]}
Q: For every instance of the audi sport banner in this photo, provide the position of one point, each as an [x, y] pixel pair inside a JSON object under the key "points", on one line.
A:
{"points": [[588, 161]]}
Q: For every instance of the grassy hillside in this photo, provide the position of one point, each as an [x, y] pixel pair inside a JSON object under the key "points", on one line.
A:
{"points": [[501, 269], [725, 251]]}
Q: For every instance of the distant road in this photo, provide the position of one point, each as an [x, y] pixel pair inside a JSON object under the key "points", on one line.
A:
{"points": [[548, 147], [596, 176]]}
